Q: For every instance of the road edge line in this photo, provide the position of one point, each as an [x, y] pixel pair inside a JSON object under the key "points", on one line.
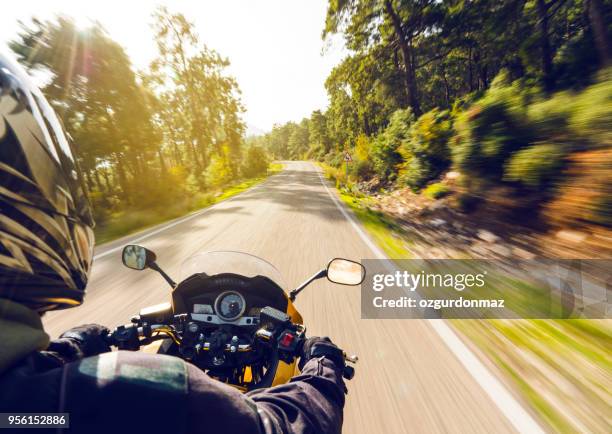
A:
{"points": [[181, 220], [497, 392]]}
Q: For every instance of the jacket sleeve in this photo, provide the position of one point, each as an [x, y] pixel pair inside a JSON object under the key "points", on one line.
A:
{"points": [[310, 403]]}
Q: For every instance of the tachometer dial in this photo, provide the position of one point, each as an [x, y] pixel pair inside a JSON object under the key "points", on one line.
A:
{"points": [[230, 305]]}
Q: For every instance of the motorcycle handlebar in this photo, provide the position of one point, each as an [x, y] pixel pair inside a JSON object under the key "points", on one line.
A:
{"points": [[129, 338]]}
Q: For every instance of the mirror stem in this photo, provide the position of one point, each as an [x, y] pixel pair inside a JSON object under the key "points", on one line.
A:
{"points": [[154, 266], [299, 289]]}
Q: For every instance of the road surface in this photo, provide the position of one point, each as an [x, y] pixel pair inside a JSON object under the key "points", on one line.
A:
{"points": [[407, 379]]}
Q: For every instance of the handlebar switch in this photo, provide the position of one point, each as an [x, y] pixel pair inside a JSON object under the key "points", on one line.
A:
{"points": [[270, 316], [288, 341], [126, 338]]}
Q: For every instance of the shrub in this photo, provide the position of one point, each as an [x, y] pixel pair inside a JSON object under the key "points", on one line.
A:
{"points": [[336, 174], [537, 166], [583, 118], [255, 163], [384, 150], [316, 152], [549, 119], [218, 172], [436, 191], [362, 148], [591, 114], [334, 158], [492, 130], [101, 206], [426, 154], [361, 167]]}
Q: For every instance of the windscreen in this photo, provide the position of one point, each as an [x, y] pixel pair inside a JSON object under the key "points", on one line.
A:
{"points": [[244, 264]]}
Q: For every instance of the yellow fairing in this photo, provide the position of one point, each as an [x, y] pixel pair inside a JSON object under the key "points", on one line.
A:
{"points": [[284, 372], [295, 316]]}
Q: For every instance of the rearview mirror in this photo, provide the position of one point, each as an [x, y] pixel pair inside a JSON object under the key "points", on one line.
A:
{"points": [[345, 272], [137, 257]]}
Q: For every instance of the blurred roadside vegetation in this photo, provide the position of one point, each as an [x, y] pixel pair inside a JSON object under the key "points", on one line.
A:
{"points": [[132, 220], [561, 368], [153, 144], [522, 116], [502, 111]]}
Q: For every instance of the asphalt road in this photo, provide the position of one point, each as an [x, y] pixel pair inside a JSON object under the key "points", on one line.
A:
{"points": [[408, 378]]}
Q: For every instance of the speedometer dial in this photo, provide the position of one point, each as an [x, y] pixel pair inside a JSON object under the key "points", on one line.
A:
{"points": [[230, 305]]}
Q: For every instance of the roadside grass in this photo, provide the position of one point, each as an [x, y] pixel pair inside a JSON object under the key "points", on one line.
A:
{"points": [[129, 221], [385, 232], [436, 191], [561, 368]]}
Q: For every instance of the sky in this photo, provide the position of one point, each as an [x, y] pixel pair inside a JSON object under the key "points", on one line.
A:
{"points": [[274, 46]]}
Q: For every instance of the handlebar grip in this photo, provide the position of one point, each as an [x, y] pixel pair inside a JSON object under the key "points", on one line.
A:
{"points": [[110, 340], [124, 338], [348, 372]]}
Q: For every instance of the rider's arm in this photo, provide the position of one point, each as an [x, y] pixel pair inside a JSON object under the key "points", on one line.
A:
{"points": [[311, 402]]}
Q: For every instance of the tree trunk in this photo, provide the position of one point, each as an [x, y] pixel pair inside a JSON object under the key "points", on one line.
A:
{"points": [[409, 77], [366, 126], [109, 186], [470, 70], [446, 88], [484, 76], [404, 97], [178, 155], [122, 176], [600, 31], [196, 167], [547, 74], [98, 181], [90, 184], [162, 162]]}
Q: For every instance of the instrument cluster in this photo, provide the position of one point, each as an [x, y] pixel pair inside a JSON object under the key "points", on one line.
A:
{"points": [[229, 307]]}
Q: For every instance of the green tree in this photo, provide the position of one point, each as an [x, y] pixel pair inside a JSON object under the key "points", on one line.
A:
{"points": [[98, 97], [191, 76]]}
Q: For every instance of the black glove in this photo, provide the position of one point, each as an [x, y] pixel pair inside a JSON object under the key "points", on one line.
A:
{"points": [[90, 339], [321, 347]]}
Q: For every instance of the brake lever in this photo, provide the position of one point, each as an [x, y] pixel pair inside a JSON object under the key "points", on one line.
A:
{"points": [[351, 359], [348, 372]]}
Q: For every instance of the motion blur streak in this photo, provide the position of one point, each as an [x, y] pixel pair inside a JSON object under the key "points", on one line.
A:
{"points": [[407, 378], [511, 408]]}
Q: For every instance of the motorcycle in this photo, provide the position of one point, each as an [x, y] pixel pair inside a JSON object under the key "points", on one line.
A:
{"points": [[229, 316]]}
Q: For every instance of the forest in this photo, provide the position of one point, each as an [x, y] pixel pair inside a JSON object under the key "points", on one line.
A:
{"points": [[514, 94], [152, 144], [507, 93]]}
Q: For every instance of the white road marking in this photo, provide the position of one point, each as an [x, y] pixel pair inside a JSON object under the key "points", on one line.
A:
{"points": [[503, 399]]}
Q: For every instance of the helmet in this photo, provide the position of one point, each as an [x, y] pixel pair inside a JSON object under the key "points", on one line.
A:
{"points": [[46, 236]]}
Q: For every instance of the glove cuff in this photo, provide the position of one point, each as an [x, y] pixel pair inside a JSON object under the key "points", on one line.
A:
{"points": [[330, 352]]}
